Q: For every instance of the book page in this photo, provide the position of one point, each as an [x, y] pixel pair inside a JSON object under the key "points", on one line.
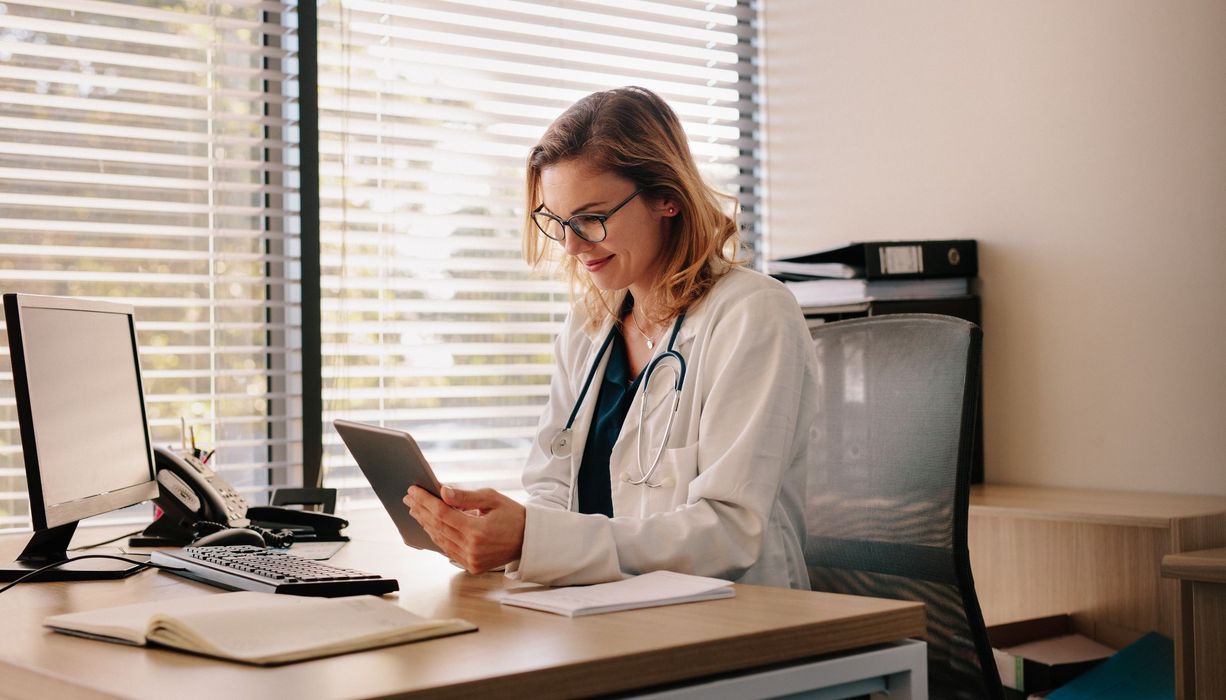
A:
{"points": [[130, 623], [258, 627], [280, 628]]}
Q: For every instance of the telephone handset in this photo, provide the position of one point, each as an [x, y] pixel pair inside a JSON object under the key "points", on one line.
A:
{"points": [[195, 491], [189, 493]]}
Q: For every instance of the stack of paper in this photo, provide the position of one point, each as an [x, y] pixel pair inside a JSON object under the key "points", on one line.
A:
{"points": [[804, 270], [825, 292], [647, 590]]}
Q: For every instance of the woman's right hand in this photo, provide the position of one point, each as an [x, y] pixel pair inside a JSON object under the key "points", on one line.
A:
{"points": [[479, 530]]}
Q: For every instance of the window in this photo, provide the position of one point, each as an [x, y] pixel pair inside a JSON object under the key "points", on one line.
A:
{"points": [[427, 109], [149, 153], [147, 156]]}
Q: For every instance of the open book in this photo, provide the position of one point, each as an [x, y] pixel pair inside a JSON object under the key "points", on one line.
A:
{"points": [[258, 628], [643, 591]]}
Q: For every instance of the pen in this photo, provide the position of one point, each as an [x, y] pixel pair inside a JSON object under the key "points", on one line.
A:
{"points": [[192, 432]]}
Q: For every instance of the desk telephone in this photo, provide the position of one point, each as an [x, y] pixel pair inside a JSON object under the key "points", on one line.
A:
{"points": [[190, 494]]}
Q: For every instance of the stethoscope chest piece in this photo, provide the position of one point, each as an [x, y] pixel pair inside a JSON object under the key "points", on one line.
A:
{"points": [[560, 446]]}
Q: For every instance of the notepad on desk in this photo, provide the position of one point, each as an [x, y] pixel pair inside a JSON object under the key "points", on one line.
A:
{"points": [[643, 591], [258, 628]]}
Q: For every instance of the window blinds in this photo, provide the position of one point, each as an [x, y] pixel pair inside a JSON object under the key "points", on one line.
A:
{"points": [[147, 155], [427, 109]]}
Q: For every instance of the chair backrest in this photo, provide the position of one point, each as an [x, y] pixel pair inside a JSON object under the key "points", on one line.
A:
{"points": [[889, 486]]}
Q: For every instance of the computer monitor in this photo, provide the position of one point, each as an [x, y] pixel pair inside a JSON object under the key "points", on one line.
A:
{"points": [[84, 436]]}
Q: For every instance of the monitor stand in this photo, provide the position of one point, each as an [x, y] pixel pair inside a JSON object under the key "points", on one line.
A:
{"points": [[50, 546]]}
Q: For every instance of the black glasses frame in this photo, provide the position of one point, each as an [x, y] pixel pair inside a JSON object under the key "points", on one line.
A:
{"points": [[564, 223]]}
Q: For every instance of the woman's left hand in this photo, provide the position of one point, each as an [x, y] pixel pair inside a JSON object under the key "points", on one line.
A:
{"points": [[479, 530]]}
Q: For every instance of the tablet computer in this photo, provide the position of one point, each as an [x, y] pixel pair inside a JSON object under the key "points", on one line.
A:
{"points": [[391, 462]]}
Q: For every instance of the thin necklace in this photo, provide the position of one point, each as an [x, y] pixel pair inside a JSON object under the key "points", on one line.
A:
{"points": [[651, 342]]}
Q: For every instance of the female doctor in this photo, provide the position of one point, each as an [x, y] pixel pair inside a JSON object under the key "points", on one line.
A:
{"points": [[676, 434]]}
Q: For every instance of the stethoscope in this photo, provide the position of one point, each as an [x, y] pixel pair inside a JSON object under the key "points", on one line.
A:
{"points": [[560, 447]]}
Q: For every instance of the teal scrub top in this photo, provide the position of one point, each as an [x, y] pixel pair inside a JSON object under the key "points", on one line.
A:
{"points": [[617, 391]]}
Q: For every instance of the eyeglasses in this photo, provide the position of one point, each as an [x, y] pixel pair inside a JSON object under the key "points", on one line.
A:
{"points": [[589, 227]]}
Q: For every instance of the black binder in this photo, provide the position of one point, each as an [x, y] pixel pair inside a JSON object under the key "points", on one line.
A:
{"points": [[897, 259]]}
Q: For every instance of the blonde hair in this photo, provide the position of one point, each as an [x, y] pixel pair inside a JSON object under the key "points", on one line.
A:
{"points": [[633, 133]]}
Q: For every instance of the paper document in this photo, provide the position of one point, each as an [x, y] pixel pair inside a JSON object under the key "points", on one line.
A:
{"points": [[829, 269], [1064, 649], [644, 591]]}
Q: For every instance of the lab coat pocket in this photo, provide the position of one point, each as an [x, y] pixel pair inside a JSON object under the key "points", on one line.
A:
{"points": [[678, 467]]}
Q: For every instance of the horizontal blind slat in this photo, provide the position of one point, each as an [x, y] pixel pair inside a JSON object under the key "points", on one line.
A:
{"points": [[428, 110], [148, 156]]}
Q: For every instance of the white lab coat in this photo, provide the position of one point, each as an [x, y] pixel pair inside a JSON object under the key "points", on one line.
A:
{"points": [[734, 469]]}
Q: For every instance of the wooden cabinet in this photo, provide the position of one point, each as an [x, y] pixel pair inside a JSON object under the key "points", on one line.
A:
{"points": [[1098, 555], [1204, 572]]}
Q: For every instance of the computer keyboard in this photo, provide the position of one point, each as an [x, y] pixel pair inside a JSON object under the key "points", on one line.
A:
{"points": [[248, 568]]}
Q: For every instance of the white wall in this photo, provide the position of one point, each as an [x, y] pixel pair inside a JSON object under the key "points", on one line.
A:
{"points": [[1084, 145]]}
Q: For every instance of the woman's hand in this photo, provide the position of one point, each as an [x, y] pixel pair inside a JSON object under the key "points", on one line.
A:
{"points": [[479, 530]]}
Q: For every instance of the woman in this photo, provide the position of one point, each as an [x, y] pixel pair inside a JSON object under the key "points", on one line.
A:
{"points": [[627, 474]]}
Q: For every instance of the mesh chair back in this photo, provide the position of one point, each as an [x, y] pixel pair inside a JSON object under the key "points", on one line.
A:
{"points": [[888, 492]]}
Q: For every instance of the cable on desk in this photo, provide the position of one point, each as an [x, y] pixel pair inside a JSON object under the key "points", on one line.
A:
{"points": [[113, 539], [142, 564]]}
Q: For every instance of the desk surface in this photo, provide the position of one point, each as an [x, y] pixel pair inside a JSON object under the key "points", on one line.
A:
{"points": [[1129, 508], [517, 652], [1206, 565], [1038, 551]]}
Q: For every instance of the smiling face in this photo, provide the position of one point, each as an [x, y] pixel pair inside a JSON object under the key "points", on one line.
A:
{"points": [[629, 256]]}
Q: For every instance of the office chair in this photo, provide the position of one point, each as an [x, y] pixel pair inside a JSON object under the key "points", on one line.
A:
{"points": [[889, 485]]}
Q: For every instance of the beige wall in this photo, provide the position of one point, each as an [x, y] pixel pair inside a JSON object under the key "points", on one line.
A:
{"points": [[1084, 145]]}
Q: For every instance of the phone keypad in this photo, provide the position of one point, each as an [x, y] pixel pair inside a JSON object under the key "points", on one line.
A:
{"points": [[236, 505]]}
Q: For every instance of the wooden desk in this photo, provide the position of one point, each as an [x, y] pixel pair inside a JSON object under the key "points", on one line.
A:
{"points": [[1205, 572], [516, 653], [1096, 554]]}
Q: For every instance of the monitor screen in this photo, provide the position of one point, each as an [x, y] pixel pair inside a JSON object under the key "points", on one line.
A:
{"points": [[84, 408]]}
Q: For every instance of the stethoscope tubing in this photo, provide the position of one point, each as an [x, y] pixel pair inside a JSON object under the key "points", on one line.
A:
{"points": [[560, 447]]}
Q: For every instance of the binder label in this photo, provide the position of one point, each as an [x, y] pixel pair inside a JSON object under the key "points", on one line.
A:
{"points": [[901, 259]]}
